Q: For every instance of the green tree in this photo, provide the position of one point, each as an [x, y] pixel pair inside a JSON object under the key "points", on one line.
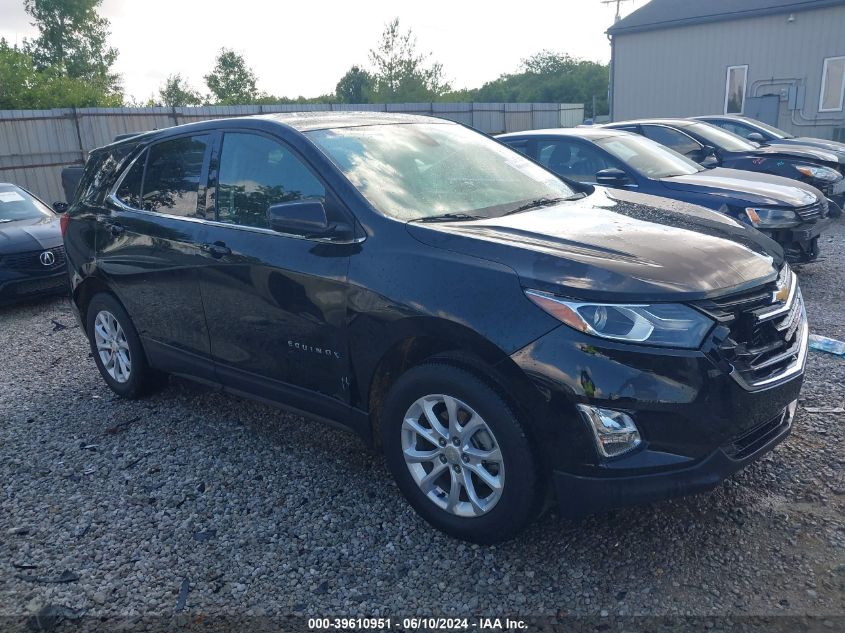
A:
{"points": [[23, 86], [551, 77], [355, 86], [231, 81], [400, 72], [71, 41], [176, 92]]}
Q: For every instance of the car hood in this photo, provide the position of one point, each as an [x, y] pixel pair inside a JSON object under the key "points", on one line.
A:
{"points": [[819, 143], [21, 236], [798, 151], [617, 245], [748, 187]]}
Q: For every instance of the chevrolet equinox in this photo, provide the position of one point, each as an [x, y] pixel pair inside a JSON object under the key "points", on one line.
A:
{"points": [[506, 337]]}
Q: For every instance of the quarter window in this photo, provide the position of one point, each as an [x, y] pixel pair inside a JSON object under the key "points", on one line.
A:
{"points": [[256, 172], [735, 89], [172, 177], [673, 139], [129, 191], [833, 85]]}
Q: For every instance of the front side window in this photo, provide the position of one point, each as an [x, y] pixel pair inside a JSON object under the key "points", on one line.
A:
{"points": [[414, 171], [572, 160], [678, 141], [257, 172], [733, 127], [833, 85], [172, 176], [735, 89], [717, 137]]}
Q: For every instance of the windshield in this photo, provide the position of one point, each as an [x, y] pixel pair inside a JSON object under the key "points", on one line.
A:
{"points": [[17, 204], [648, 157], [424, 170], [719, 138]]}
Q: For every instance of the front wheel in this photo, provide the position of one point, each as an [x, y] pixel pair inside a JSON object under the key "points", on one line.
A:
{"points": [[459, 454]]}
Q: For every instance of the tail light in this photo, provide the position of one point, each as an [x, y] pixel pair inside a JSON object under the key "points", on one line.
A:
{"points": [[63, 222]]}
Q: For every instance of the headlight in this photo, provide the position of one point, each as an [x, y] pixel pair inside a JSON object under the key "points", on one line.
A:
{"points": [[663, 324], [821, 173], [772, 218]]}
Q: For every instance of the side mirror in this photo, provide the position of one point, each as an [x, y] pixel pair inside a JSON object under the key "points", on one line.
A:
{"points": [[307, 218], [60, 207], [612, 177], [756, 137], [707, 156]]}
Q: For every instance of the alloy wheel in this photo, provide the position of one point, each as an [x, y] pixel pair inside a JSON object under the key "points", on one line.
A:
{"points": [[453, 455], [112, 346]]}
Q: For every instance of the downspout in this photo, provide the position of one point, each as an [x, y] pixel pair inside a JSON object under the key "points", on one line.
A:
{"points": [[610, 77]]}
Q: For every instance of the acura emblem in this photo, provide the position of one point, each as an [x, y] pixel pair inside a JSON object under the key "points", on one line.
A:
{"points": [[47, 258]]}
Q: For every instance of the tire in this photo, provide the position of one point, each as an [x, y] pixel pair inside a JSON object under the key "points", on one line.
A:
{"points": [[485, 422], [129, 375]]}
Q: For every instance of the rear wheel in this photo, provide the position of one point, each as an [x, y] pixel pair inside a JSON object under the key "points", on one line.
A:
{"points": [[459, 454], [117, 349]]}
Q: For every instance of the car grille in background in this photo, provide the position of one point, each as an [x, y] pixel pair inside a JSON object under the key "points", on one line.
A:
{"points": [[31, 261], [766, 338], [812, 211]]}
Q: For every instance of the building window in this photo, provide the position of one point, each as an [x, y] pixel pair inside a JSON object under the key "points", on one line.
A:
{"points": [[833, 85], [735, 89]]}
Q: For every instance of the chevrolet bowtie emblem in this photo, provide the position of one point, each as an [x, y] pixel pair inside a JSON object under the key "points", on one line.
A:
{"points": [[781, 294]]}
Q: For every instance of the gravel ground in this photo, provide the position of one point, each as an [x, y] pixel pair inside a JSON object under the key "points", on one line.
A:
{"points": [[198, 503]]}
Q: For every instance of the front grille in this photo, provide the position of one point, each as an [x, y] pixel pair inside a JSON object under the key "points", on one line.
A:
{"points": [[753, 440], [811, 212], [31, 260], [766, 340]]}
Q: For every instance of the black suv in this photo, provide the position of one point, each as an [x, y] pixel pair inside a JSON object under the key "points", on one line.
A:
{"points": [[499, 333]]}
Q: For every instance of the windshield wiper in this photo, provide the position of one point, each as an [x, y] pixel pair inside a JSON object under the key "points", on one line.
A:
{"points": [[448, 217], [543, 202]]}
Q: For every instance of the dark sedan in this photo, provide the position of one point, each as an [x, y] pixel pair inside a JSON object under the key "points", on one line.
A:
{"points": [[759, 132], [790, 212], [712, 146], [32, 257]]}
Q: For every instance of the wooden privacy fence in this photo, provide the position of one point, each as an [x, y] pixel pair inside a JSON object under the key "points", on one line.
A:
{"points": [[36, 144]]}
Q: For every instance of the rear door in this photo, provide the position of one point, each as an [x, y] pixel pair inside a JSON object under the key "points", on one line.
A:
{"points": [[275, 303], [149, 249]]}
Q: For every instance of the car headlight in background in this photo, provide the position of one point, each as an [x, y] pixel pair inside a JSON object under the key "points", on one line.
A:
{"points": [[772, 218], [820, 173], [663, 324]]}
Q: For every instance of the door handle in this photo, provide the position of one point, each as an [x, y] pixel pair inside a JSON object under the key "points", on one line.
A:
{"points": [[217, 250]]}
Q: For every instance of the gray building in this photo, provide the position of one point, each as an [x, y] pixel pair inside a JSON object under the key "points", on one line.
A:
{"points": [[780, 61]]}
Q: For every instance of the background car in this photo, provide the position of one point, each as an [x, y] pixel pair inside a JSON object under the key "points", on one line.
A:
{"points": [[759, 132], [712, 146], [32, 257], [790, 212]]}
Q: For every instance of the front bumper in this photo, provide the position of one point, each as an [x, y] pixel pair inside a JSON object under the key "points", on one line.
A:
{"points": [[581, 495], [801, 244], [700, 415], [20, 287]]}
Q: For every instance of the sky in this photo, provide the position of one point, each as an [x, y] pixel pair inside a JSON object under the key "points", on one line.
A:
{"points": [[304, 48]]}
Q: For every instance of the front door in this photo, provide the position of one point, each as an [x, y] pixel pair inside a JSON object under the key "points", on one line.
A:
{"points": [[275, 304], [149, 247]]}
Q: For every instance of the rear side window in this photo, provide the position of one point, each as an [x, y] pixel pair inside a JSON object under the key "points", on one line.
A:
{"points": [[129, 191], [99, 172], [678, 141], [172, 176], [256, 172]]}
